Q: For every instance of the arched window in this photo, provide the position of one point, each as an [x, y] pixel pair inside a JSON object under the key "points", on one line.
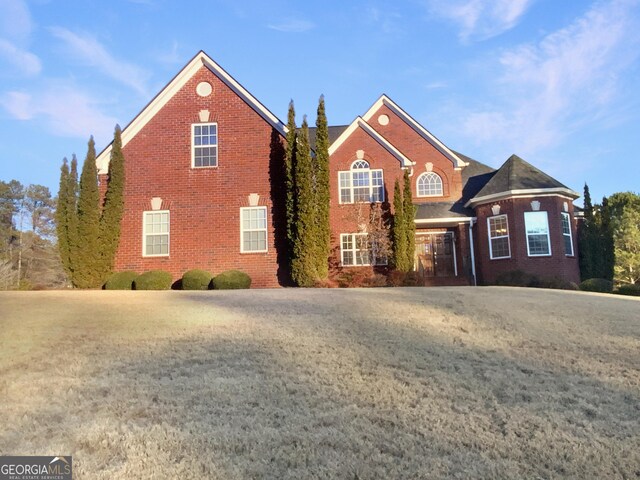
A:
{"points": [[361, 184], [429, 185]]}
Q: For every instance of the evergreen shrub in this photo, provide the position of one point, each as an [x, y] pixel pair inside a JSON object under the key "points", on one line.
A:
{"points": [[153, 280], [121, 281], [196, 279], [231, 280]]}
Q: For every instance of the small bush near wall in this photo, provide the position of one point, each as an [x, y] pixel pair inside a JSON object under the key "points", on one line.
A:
{"points": [[153, 280], [632, 290], [196, 280], [231, 280], [601, 285], [396, 278], [121, 281], [517, 278]]}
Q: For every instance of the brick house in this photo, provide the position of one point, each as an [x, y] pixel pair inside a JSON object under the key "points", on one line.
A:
{"points": [[205, 184]]}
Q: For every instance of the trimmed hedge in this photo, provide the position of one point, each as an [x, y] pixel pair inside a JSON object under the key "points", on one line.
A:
{"points": [[153, 280], [121, 281], [231, 280], [196, 279], [632, 290], [601, 285]]}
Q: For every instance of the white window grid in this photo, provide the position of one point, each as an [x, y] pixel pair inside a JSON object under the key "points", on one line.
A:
{"points": [[204, 145], [566, 234], [355, 250], [498, 233], [155, 233], [537, 230], [429, 184], [361, 184], [253, 229]]}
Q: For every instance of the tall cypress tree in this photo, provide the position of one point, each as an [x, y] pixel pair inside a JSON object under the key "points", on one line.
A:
{"points": [[113, 207], [587, 239], [62, 218], [304, 265], [409, 220], [322, 192], [606, 243], [87, 273], [72, 217], [399, 230], [290, 185]]}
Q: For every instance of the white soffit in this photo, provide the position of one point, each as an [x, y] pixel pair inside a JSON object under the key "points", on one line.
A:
{"points": [[423, 132], [161, 99]]}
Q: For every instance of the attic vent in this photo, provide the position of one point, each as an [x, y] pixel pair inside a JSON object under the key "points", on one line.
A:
{"points": [[204, 89], [383, 119]]}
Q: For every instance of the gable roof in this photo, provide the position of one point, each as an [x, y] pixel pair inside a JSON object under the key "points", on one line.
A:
{"points": [[518, 177], [334, 133], [419, 129], [359, 122], [161, 99]]}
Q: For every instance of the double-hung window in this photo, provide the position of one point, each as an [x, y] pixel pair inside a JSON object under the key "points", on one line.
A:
{"points": [[361, 184], [253, 229], [155, 233], [566, 234], [498, 230], [537, 228], [204, 145], [356, 250]]}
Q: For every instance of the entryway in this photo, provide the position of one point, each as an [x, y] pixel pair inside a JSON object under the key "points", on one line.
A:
{"points": [[435, 255]]}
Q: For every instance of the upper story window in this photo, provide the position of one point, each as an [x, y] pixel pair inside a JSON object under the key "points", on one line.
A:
{"points": [[204, 145], [361, 184], [155, 233], [429, 185], [253, 229], [566, 234], [498, 231], [537, 228]]}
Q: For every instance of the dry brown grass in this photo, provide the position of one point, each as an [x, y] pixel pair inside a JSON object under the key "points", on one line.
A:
{"points": [[295, 384]]}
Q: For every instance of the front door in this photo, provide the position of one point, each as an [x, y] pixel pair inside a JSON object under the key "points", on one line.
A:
{"points": [[435, 254]]}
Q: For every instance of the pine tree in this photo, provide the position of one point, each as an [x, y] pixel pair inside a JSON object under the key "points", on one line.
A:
{"points": [[399, 230], [72, 218], [409, 211], [290, 185], [322, 193], [87, 274], [606, 243], [304, 265], [62, 218], [586, 239], [113, 208]]}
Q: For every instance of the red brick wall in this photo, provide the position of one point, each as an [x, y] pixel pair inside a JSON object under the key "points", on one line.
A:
{"points": [[205, 203], [556, 265]]}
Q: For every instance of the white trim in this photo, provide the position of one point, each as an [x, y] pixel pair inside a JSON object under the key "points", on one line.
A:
{"points": [[525, 193], [473, 254], [423, 174], [526, 234], [562, 215], [446, 220], [265, 229], [167, 93], [455, 256], [359, 122], [193, 144], [423, 132], [507, 236], [144, 233]]}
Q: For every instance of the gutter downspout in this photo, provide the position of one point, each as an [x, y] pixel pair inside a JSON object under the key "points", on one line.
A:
{"points": [[473, 256]]}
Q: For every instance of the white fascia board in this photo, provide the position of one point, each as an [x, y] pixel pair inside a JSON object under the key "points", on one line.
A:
{"points": [[359, 122], [458, 163], [532, 192], [161, 99], [445, 220]]}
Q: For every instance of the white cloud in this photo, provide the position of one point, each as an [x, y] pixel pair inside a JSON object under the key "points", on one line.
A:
{"points": [[481, 19], [25, 62], [15, 20], [569, 79], [292, 26], [64, 110], [88, 50]]}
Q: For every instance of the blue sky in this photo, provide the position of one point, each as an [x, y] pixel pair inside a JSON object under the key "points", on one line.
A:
{"points": [[556, 82]]}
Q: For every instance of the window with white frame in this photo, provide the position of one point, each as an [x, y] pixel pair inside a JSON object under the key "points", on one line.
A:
{"points": [[429, 185], [537, 228], [155, 233], [356, 250], [253, 229], [361, 184], [204, 145], [498, 230], [566, 234]]}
